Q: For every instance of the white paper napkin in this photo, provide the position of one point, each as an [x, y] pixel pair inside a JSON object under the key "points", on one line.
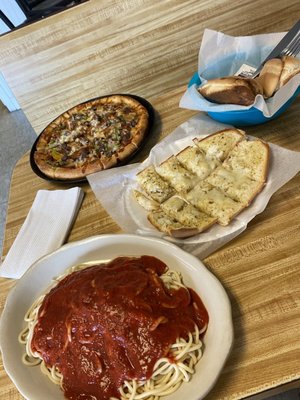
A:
{"points": [[229, 54], [118, 183], [44, 230]]}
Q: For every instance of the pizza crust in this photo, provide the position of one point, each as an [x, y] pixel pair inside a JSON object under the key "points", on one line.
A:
{"points": [[40, 161], [127, 151]]}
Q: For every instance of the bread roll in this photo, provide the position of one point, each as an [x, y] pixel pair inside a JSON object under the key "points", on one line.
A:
{"points": [[256, 86], [269, 76], [231, 90], [291, 67]]}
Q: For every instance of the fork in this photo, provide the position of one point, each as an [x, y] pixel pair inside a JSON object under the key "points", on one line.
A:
{"points": [[293, 48], [288, 46]]}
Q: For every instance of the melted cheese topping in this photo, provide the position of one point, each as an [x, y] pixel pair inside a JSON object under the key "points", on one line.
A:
{"points": [[154, 185], [180, 178], [195, 160]]}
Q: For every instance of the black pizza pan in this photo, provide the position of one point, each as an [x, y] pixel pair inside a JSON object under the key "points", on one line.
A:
{"points": [[141, 100]]}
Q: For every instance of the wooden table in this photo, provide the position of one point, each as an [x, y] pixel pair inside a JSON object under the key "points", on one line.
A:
{"points": [[151, 48]]}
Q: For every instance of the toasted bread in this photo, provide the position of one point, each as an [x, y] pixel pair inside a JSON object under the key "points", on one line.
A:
{"points": [[170, 226], [231, 90], [210, 182], [195, 160], [249, 157], [214, 202], [181, 179], [188, 215], [235, 185], [156, 187], [219, 144], [146, 202]]}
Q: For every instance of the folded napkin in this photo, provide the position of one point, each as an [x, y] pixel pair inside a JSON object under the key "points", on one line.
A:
{"points": [[44, 230]]}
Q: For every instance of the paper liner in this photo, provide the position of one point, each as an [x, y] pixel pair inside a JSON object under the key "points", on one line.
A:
{"points": [[113, 188]]}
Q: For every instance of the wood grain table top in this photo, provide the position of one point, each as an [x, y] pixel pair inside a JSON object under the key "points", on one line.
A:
{"points": [[151, 49]]}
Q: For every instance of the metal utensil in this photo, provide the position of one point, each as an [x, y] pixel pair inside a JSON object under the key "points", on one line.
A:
{"points": [[288, 46]]}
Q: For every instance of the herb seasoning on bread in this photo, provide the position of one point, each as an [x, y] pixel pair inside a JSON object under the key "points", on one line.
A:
{"points": [[204, 184]]}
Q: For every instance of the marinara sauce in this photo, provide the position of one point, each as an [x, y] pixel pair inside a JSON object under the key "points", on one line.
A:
{"points": [[111, 322]]}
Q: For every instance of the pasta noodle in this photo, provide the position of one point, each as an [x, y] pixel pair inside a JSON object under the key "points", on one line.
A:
{"points": [[168, 372]]}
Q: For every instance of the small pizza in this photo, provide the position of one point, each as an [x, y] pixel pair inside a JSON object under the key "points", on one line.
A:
{"points": [[93, 136]]}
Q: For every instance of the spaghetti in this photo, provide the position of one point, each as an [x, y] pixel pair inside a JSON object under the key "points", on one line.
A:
{"points": [[150, 348]]}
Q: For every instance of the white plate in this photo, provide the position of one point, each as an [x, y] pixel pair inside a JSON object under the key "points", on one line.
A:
{"points": [[33, 385]]}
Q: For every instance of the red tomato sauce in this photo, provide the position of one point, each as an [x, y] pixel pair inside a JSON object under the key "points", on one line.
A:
{"points": [[111, 322]]}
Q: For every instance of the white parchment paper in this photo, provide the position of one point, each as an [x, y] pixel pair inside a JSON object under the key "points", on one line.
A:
{"points": [[113, 188], [222, 55]]}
